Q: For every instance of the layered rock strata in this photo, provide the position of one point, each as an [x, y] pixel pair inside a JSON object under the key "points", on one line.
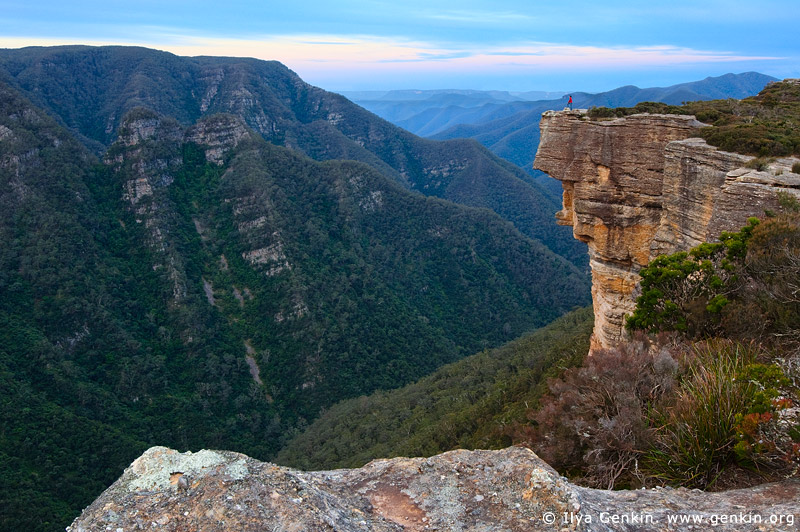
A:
{"points": [[641, 186], [508, 490]]}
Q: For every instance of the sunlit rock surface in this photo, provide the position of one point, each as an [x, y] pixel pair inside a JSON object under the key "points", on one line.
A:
{"points": [[508, 490]]}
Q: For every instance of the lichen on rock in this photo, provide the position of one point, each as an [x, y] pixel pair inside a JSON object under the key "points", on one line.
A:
{"points": [[509, 490]]}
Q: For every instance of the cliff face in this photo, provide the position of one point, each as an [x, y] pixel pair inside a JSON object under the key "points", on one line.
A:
{"points": [[641, 186], [509, 490]]}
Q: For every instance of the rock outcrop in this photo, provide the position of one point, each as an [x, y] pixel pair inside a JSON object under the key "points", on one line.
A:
{"points": [[641, 186], [219, 134], [508, 490]]}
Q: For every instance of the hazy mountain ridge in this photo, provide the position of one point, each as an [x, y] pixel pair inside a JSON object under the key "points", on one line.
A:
{"points": [[428, 112], [510, 129], [431, 112], [516, 138]]}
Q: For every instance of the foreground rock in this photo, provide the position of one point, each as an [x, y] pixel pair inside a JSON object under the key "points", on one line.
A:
{"points": [[506, 490], [641, 186]]}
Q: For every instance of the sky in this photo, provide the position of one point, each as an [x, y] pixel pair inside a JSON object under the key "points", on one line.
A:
{"points": [[350, 45]]}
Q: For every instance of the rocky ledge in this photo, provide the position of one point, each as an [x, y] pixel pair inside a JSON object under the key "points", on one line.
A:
{"points": [[641, 186], [508, 490]]}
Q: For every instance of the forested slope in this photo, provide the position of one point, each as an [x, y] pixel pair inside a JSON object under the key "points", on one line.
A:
{"points": [[475, 403], [197, 286], [90, 89]]}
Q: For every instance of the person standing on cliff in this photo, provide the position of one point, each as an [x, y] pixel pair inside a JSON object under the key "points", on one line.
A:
{"points": [[569, 103]]}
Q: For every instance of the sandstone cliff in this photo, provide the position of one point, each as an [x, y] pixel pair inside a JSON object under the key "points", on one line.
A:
{"points": [[511, 490], [641, 186]]}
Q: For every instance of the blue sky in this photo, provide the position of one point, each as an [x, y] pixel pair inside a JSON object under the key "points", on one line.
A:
{"points": [[478, 44]]}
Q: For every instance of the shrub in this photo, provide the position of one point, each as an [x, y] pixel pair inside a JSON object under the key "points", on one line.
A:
{"points": [[772, 290], [724, 413], [597, 113], [697, 433], [708, 116], [759, 163], [796, 168], [687, 291], [788, 202], [655, 409], [594, 424], [746, 287]]}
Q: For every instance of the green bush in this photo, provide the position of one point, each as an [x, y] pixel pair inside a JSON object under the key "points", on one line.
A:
{"points": [[687, 291], [697, 433], [718, 416], [597, 113], [655, 409], [759, 163]]}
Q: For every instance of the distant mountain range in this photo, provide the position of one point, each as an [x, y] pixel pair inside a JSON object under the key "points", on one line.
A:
{"points": [[429, 112], [425, 112], [509, 125]]}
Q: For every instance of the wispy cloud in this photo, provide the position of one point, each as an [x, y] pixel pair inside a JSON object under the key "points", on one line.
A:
{"points": [[476, 17], [311, 53], [598, 57], [356, 51]]}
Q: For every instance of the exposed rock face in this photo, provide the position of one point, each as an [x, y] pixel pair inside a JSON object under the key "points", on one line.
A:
{"points": [[147, 155], [640, 186], [219, 134], [510, 490]]}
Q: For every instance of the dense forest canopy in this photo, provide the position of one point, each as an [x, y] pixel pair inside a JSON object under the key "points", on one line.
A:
{"points": [[177, 270]]}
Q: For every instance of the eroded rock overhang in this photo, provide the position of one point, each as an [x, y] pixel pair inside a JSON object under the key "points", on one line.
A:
{"points": [[645, 185]]}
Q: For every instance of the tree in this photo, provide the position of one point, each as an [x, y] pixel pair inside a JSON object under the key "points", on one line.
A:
{"points": [[686, 291]]}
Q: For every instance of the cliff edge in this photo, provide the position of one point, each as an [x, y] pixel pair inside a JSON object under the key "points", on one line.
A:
{"points": [[511, 490], [641, 186]]}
